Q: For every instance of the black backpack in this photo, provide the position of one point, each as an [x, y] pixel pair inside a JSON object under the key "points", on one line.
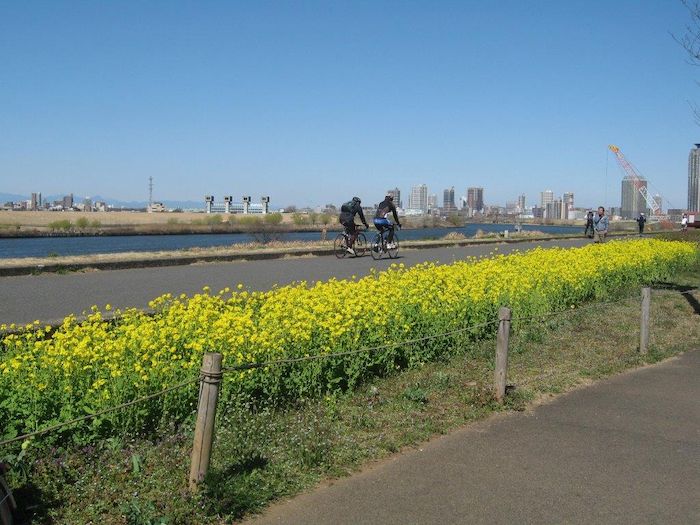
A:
{"points": [[347, 207]]}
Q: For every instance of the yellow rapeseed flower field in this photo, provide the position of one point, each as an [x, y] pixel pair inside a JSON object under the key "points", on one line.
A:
{"points": [[84, 367]]}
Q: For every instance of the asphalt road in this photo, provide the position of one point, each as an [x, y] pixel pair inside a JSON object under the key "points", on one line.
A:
{"points": [[626, 450], [50, 297]]}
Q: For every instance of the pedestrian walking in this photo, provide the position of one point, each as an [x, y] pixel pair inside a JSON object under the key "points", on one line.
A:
{"points": [[641, 220], [684, 223], [600, 225]]}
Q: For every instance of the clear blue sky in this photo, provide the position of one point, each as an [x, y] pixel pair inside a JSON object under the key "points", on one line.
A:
{"points": [[312, 102]]}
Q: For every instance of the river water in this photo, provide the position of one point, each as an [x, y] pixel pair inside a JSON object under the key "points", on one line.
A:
{"points": [[54, 246]]}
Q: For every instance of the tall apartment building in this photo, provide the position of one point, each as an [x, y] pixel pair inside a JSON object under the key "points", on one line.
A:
{"points": [[659, 201], [35, 201], [521, 203], [567, 205], [633, 202], [396, 193], [694, 179], [448, 200], [475, 199], [418, 199], [546, 197], [432, 202]]}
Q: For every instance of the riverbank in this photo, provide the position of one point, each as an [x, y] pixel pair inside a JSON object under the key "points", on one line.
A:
{"points": [[28, 224]]}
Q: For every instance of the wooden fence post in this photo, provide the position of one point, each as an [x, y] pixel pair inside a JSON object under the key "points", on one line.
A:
{"points": [[206, 414], [644, 329], [501, 369]]}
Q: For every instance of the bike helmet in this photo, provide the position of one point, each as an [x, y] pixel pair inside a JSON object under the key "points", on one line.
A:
{"points": [[390, 196], [356, 199]]}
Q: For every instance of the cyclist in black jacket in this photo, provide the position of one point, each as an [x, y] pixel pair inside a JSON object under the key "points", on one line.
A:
{"points": [[347, 219], [382, 223]]}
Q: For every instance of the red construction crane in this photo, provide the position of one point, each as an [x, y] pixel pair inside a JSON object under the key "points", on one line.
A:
{"points": [[636, 179]]}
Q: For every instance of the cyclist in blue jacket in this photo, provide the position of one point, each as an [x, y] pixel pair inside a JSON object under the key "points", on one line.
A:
{"points": [[382, 223]]}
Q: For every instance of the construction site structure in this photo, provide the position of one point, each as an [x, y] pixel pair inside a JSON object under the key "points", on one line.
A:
{"points": [[631, 172]]}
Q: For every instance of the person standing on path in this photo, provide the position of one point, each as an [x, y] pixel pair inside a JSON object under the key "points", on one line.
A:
{"points": [[640, 221], [600, 225], [589, 225]]}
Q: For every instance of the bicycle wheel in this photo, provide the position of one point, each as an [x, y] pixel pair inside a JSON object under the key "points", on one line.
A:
{"points": [[377, 250], [340, 246], [360, 245], [394, 251]]}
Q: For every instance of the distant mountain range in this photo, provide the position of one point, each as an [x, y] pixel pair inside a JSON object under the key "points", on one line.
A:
{"points": [[116, 203]]}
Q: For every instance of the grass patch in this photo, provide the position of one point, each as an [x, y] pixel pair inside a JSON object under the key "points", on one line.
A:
{"points": [[265, 452]]}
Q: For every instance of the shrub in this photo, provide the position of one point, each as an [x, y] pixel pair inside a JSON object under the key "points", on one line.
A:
{"points": [[63, 224], [273, 218], [299, 219]]}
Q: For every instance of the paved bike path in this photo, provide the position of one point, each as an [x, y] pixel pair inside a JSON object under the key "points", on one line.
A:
{"points": [[50, 297], [625, 450]]}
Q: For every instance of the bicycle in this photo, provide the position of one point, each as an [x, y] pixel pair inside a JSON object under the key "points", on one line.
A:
{"points": [[342, 240], [380, 245]]}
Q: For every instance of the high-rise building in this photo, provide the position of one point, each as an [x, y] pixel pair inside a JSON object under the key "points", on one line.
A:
{"points": [[475, 199], [396, 193], [546, 197], [694, 179], [658, 199], [36, 201], [558, 209], [553, 210], [432, 202], [419, 198], [521, 203], [567, 207], [633, 202], [67, 202], [448, 200]]}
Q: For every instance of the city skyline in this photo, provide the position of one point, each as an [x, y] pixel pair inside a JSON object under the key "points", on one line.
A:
{"points": [[315, 103], [420, 198]]}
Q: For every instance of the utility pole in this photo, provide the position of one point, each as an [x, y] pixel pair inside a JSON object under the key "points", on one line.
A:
{"points": [[150, 192]]}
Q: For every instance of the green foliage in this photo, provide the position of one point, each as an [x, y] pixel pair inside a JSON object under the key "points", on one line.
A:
{"points": [[455, 220], [139, 513], [62, 224], [273, 218], [95, 223], [299, 219], [416, 394], [250, 220]]}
